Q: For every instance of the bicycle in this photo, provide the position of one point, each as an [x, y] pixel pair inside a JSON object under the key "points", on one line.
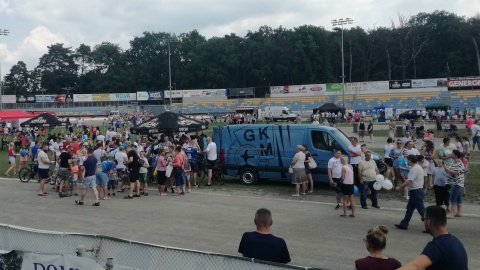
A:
{"points": [[217, 175], [26, 174], [202, 172]]}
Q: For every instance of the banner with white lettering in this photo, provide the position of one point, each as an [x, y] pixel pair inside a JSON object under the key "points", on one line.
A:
{"points": [[463, 83], [123, 97], [298, 90]]}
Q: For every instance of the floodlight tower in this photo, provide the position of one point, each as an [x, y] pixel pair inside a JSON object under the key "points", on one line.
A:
{"points": [[3, 32], [340, 23]]}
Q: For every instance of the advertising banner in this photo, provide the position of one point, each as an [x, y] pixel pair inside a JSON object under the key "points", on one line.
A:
{"points": [[297, 90], [334, 87], [50, 98], [463, 83], [69, 98], [25, 99], [123, 97], [240, 92], [366, 86], [173, 94], [401, 84], [9, 99], [151, 95], [82, 98], [424, 83], [26, 261], [100, 97]]}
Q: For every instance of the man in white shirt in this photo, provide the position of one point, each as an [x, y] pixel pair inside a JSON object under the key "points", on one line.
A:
{"points": [[335, 173], [410, 150], [109, 134], [211, 158], [43, 168], [475, 131], [101, 138], [415, 183], [121, 158], [355, 153]]}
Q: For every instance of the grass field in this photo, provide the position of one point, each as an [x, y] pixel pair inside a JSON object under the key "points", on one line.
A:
{"points": [[284, 188]]}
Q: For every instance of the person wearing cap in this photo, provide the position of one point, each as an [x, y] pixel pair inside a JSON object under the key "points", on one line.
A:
{"points": [[367, 171], [43, 168], [299, 176]]}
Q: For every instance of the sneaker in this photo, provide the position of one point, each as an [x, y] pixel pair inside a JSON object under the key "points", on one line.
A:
{"points": [[189, 191], [401, 227], [295, 195], [337, 207], [106, 198], [376, 206], [364, 207], [195, 186], [163, 194]]}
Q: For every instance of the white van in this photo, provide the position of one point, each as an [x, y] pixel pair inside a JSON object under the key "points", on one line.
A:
{"points": [[276, 113]]}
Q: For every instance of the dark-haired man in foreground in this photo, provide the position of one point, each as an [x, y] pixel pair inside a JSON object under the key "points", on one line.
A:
{"points": [[261, 244], [445, 251]]}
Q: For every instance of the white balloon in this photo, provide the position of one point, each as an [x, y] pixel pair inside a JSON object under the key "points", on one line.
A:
{"points": [[379, 178], [377, 185], [387, 184]]}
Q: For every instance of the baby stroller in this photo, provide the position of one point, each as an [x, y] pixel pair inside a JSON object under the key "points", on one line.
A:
{"points": [[451, 130]]}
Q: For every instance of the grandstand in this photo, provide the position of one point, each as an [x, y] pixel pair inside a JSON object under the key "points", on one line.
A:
{"points": [[461, 99]]}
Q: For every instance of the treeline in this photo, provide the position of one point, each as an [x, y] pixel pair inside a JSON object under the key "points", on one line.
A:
{"points": [[427, 45]]}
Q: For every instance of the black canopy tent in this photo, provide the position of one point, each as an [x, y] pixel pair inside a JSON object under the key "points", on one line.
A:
{"points": [[328, 107], [43, 120], [437, 106], [169, 122]]}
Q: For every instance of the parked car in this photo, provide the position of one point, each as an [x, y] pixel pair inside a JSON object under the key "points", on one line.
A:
{"points": [[410, 115]]}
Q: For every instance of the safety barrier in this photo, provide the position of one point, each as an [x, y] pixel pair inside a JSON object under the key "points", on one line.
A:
{"points": [[81, 251]]}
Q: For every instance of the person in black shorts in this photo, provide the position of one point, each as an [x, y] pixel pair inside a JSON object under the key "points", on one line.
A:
{"points": [[134, 169], [64, 161]]}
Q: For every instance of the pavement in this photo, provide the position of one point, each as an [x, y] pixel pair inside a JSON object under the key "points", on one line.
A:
{"points": [[210, 220]]}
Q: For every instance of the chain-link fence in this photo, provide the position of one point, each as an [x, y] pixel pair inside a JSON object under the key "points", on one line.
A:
{"points": [[128, 254]]}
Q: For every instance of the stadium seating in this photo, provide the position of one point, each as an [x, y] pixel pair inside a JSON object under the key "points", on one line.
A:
{"points": [[461, 99]]}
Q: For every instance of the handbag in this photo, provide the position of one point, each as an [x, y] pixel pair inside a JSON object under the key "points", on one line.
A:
{"points": [[290, 169], [312, 164], [169, 170]]}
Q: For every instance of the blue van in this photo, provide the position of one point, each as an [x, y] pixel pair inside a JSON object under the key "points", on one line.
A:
{"points": [[264, 151]]}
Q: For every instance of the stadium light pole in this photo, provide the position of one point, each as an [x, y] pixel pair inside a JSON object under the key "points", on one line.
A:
{"points": [[341, 22], [3, 32], [169, 71]]}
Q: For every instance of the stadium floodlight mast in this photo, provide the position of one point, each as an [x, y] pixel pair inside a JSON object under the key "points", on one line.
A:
{"points": [[3, 32], [169, 71], [340, 23]]}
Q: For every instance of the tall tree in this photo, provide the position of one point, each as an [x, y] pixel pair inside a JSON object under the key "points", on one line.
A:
{"points": [[16, 82], [58, 67]]}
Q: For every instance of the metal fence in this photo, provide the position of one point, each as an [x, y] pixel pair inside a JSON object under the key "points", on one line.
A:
{"points": [[127, 254]]}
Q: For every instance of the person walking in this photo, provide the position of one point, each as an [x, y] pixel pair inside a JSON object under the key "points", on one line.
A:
{"points": [[11, 159], [429, 153], [456, 179], [161, 165], [192, 153], [347, 187], [261, 244], [178, 166], [361, 130], [370, 131], [355, 153], [89, 181], [375, 243], [396, 154], [299, 177], [134, 172], [391, 128], [367, 171], [387, 149], [211, 158], [335, 173], [445, 251], [414, 182]]}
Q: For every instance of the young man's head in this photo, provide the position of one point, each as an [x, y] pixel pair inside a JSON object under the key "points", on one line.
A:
{"points": [[435, 217], [263, 218]]}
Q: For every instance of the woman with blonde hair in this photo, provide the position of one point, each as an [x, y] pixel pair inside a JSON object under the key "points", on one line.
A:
{"points": [[347, 186], [308, 172], [11, 159], [375, 243], [299, 175]]}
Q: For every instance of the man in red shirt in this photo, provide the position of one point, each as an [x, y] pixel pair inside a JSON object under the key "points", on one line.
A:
{"points": [[66, 143]]}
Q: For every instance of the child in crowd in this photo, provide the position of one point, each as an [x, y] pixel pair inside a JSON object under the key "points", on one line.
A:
{"points": [[74, 170], [112, 180], [23, 157]]}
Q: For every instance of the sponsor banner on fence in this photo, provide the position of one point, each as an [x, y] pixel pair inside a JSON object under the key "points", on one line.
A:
{"points": [[366, 86], [9, 99], [240, 92], [400, 84], [100, 97], [173, 94], [334, 87], [151, 95], [123, 97], [463, 83], [82, 98], [27, 261], [426, 83], [25, 99], [50, 98], [297, 90]]}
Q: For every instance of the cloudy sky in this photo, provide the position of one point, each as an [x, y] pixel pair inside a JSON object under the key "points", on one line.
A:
{"points": [[36, 24]]}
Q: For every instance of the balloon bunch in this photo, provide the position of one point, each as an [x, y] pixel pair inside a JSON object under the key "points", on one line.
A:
{"points": [[380, 182]]}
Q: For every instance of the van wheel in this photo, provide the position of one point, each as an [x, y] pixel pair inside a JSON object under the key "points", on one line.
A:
{"points": [[248, 176]]}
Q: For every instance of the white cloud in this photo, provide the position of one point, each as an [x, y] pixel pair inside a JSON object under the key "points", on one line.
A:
{"points": [[30, 49]]}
